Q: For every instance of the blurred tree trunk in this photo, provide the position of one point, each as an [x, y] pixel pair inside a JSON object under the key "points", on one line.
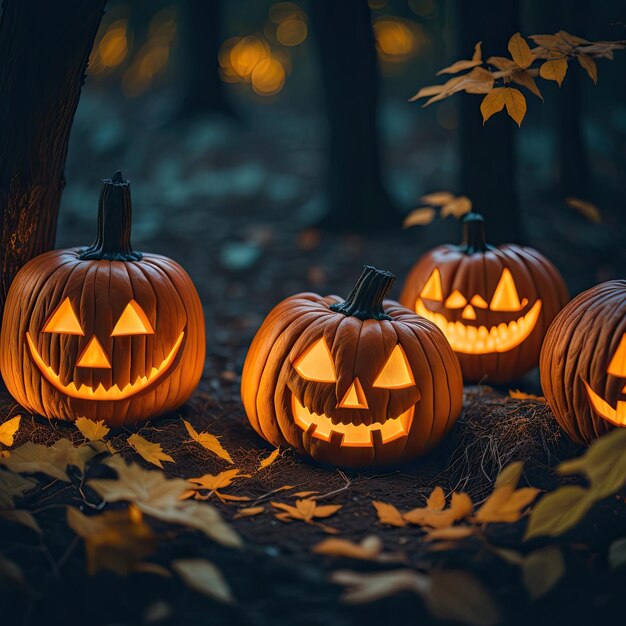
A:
{"points": [[357, 198], [44, 49], [488, 161], [203, 90]]}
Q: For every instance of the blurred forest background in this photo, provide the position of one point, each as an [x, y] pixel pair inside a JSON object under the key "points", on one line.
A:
{"points": [[272, 148]]}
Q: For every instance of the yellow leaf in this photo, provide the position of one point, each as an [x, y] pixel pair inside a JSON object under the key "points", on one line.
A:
{"points": [[250, 511], [419, 217], [304, 494], [492, 103], [515, 104], [8, 430], [550, 42], [438, 198], [305, 510], [479, 80], [90, 430], [458, 207], [218, 481], [460, 507], [450, 533], [572, 39], [459, 66], [208, 441], [13, 486], [437, 500], [369, 587], [589, 65], [502, 63], [388, 514], [367, 550], [520, 51], [554, 69], [268, 460], [205, 578], [526, 80], [426, 92], [589, 210], [151, 452], [520, 395]]}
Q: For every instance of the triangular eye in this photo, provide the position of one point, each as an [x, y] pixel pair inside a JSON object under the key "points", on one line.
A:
{"points": [[505, 297], [432, 288], [617, 366], [133, 321], [397, 372], [63, 321], [317, 363]]}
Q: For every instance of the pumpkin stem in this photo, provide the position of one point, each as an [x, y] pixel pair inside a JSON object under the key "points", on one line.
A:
{"points": [[474, 234], [365, 301], [114, 221]]}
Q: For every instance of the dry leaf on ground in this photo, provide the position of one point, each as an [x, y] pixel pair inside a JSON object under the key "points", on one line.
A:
{"points": [[268, 460], [435, 517], [204, 577], [208, 442], [249, 511], [306, 510], [51, 460], [369, 549], [388, 514], [8, 430], [13, 486], [215, 483], [151, 452], [91, 430], [520, 395]]}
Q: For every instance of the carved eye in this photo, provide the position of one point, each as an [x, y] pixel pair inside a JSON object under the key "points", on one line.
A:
{"points": [[133, 321], [63, 321], [317, 364], [505, 297], [432, 288], [617, 366], [397, 372]]}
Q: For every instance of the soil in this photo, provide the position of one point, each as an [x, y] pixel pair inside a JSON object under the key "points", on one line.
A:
{"points": [[234, 207]]}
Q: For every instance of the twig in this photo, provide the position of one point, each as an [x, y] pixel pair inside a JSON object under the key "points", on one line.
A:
{"points": [[347, 485]]}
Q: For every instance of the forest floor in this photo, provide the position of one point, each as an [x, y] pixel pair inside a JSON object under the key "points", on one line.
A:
{"points": [[245, 250]]}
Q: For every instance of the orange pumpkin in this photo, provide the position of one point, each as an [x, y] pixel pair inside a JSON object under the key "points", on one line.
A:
{"points": [[349, 382], [583, 363], [104, 332], [493, 304]]}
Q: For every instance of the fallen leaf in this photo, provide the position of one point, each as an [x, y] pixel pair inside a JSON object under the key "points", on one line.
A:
{"points": [[115, 541], [587, 209], [436, 501], [520, 51], [268, 460], [589, 65], [419, 217], [208, 442], [617, 553], [306, 510], [460, 507], [26, 518], [450, 533], [13, 486], [554, 69], [215, 483], [459, 66], [250, 511], [151, 452], [457, 207], [369, 549], [521, 395], [542, 570], [91, 430], [362, 588], [8, 430], [205, 578], [304, 494], [50, 460], [160, 497], [438, 198], [388, 514]]}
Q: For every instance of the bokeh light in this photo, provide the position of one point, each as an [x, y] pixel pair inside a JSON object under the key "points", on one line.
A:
{"points": [[423, 8], [292, 32], [268, 77], [396, 39]]}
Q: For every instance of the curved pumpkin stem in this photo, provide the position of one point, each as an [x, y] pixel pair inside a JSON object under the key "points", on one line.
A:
{"points": [[365, 301], [114, 223], [474, 234]]}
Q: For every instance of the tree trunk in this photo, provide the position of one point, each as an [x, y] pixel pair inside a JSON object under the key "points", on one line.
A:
{"points": [[44, 49], [488, 162], [203, 90], [357, 199]]}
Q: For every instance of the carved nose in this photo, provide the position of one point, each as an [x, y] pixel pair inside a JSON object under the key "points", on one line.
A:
{"points": [[468, 313], [355, 397], [93, 355]]}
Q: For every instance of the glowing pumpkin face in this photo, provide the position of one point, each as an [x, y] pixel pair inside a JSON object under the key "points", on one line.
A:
{"points": [[492, 304], [583, 363], [349, 383], [105, 333]]}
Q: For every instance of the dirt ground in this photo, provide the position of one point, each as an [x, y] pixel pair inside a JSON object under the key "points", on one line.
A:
{"points": [[235, 210]]}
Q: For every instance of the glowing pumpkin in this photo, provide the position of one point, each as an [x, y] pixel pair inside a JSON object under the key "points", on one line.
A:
{"points": [[348, 382], [583, 363], [104, 332], [493, 304]]}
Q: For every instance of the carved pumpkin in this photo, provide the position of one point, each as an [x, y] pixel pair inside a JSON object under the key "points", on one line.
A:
{"points": [[493, 304], [104, 332], [583, 363], [348, 382]]}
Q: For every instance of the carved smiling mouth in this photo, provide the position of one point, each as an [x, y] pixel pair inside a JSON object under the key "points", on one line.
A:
{"points": [[361, 435], [479, 340], [616, 416], [86, 392]]}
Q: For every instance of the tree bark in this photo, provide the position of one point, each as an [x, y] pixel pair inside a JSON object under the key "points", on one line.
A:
{"points": [[44, 49], [488, 161], [357, 198]]}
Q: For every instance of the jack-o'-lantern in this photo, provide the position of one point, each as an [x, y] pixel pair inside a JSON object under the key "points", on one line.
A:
{"points": [[493, 304], [583, 363], [351, 383], [104, 332]]}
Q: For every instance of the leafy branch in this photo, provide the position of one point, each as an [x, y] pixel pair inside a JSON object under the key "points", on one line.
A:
{"points": [[494, 78]]}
